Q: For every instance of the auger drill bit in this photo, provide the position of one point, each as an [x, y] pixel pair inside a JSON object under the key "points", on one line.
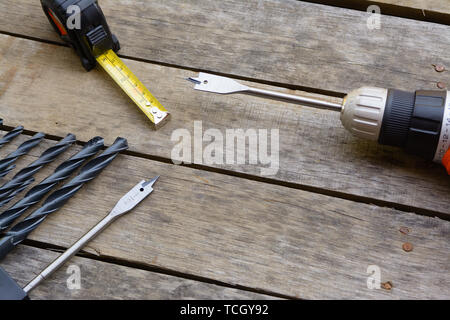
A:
{"points": [[58, 198], [46, 157], [6, 165], [10, 135], [38, 192]]}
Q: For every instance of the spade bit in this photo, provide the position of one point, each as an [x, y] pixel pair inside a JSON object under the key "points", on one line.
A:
{"points": [[217, 84], [10, 290]]}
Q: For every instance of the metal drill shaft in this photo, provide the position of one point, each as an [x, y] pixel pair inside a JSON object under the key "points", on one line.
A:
{"points": [[58, 198], [213, 83], [24, 148], [10, 135], [46, 157], [38, 192]]}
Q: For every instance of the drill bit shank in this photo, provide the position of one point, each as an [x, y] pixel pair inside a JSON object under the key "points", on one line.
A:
{"points": [[58, 198], [23, 175], [38, 192]]}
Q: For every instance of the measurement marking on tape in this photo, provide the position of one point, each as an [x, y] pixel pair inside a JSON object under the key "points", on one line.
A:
{"points": [[134, 88]]}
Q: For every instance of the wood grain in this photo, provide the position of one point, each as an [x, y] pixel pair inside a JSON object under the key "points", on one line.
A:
{"points": [[256, 235], [43, 88], [106, 281], [284, 41]]}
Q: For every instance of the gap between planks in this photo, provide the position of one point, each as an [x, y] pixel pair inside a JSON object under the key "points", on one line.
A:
{"points": [[316, 150], [303, 44], [106, 280], [327, 192], [331, 94], [271, 238], [140, 266], [436, 11]]}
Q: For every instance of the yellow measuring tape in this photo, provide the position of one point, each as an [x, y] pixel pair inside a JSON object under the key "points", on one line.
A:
{"points": [[134, 88]]}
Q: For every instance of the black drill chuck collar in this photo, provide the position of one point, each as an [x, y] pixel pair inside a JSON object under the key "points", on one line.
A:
{"points": [[413, 121], [81, 24]]}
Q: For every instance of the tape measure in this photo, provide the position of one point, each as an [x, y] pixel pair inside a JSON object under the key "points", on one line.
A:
{"points": [[82, 24], [133, 87]]}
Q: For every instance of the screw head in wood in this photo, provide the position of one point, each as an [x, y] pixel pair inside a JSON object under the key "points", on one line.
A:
{"points": [[441, 85], [387, 285], [439, 67], [408, 247]]}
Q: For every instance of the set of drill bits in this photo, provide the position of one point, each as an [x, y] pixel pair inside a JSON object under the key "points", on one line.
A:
{"points": [[9, 239]]}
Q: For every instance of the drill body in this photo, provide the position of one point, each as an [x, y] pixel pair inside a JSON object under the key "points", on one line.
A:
{"points": [[418, 122]]}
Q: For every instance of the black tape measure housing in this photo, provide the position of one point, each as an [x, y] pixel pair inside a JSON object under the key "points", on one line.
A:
{"points": [[92, 39]]}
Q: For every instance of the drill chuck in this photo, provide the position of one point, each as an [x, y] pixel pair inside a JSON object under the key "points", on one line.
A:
{"points": [[418, 122]]}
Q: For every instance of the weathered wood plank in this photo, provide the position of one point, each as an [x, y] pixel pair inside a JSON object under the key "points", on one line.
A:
{"points": [[285, 41], [43, 88], [101, 280], [254, 234]]}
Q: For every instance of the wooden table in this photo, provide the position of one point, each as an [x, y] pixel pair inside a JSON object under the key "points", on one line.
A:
{"points": [[337, 204]]}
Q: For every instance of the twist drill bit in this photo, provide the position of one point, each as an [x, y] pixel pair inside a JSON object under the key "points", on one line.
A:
{"points": [[10, 135], [6, 164], [16, 191], [58, 198], [38, 192], [46, 157]]}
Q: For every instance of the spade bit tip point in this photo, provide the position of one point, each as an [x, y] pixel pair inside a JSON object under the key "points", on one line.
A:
{"points": [[150, 182], [136, 195]]}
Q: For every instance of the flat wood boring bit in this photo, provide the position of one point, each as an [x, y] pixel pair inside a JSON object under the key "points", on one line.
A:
{"points": [[10, 290]]}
